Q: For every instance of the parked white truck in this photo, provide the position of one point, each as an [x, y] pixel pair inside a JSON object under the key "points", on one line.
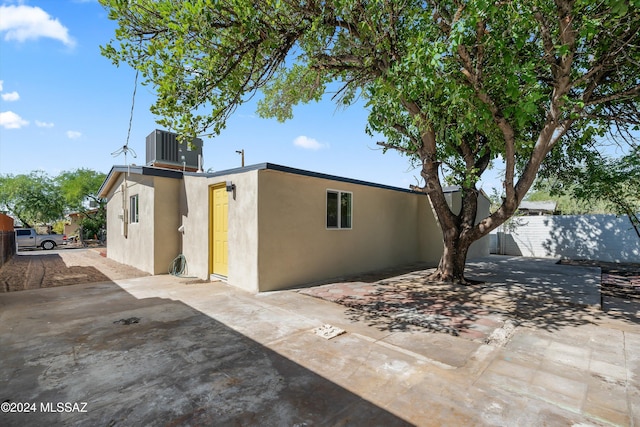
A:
{"points": [[27, 238]]}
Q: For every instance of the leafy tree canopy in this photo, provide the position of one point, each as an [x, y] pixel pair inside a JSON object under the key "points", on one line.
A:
{"points": [[37, 198], [567, 203], [452, 84], [32, 198], [597, 180], [80, 186]]}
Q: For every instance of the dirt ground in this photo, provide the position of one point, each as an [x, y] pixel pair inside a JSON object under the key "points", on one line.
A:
{"points": [[69, 266]]}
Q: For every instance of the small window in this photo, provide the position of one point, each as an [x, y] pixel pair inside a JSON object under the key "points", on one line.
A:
{"points": [[23, 232], [339, 209], [133, 209]]}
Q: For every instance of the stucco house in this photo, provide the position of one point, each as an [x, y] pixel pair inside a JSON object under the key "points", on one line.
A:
{"points": [[72, 227], [266, 227]]}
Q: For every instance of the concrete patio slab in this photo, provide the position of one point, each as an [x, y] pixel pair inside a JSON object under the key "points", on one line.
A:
{"points": [[539, 278], [209, 354], [176, 366]]}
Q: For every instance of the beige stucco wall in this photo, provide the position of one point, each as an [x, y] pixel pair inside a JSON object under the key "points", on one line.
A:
{"points": [[136, 248], [430, 234], [153, 242], [194, 218], [295, 247], [166, 222], [278, 236], [242, 233]]}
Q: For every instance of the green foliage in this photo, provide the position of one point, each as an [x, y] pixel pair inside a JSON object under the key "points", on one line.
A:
{"points": [[567, 203], [37, 198], [92, 226], [203, 53], [32, 198], [58, 227], [612, 182], [80, 186]]}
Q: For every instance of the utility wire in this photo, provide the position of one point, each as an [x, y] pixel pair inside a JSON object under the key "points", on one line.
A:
{"points": [[133, 103], [125, 148]]}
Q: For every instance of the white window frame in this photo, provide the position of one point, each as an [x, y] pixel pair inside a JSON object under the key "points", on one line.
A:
{"points": [[134, 208], [339, 213]]}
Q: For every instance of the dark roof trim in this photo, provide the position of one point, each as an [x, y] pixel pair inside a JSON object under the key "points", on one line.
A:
{"points": [[136, 170], [150, 170], [287, 169], [171, 173], [303, 172]]}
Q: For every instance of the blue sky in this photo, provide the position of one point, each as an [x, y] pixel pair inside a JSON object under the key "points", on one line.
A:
{"points": [[63, 106]]}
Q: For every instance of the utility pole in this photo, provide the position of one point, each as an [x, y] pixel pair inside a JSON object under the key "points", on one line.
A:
{"points": [[241, 152]]}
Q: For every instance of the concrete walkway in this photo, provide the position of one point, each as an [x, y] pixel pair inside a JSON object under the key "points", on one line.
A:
{"points": [[209, 354], [540, 278]]}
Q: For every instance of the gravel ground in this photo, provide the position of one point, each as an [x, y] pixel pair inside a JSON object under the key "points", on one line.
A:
{"points": [[70, 266]]}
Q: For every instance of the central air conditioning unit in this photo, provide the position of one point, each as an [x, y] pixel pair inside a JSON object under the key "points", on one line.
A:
{"points": [[166, 151]]}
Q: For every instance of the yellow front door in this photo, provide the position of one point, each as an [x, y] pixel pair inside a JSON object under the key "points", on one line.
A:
{"points": [[218, 240]]}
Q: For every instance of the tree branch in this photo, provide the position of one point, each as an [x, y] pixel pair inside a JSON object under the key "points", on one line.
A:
{"points": [[394, 147], [615, 96], [547, 42], [504, 126]]}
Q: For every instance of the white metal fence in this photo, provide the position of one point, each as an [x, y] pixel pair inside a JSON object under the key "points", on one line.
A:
{"points": [[594, 237]]}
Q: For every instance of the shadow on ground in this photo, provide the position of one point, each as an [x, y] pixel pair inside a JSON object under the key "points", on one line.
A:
{"points": [[517, 292], [171, 366]]}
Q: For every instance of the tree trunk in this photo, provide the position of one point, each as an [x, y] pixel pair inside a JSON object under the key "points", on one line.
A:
{"points": [[457, 229], [453, 260]]}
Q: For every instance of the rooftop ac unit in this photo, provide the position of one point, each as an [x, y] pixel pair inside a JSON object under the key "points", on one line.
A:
{"points": [[164, 150]]}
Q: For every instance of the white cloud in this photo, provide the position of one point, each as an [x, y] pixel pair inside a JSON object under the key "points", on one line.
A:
{"points": [[10, 120], [43, 124], [23, 23], [73, 134], [1, 83], [308, 143], [11, 96]]}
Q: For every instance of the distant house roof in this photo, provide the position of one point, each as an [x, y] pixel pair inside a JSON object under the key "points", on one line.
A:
{"points": [[545, 206], [78, 214]]}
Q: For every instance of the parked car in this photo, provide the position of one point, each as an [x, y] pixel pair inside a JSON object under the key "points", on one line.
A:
{"points": [[27, 238]]}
